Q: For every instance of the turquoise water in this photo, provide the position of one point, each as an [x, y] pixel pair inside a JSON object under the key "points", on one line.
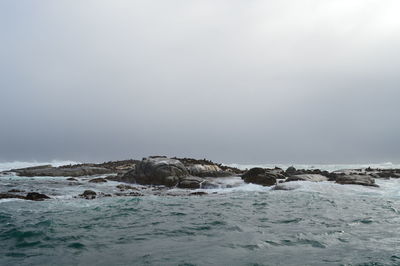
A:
{"points": [[315, 224]]}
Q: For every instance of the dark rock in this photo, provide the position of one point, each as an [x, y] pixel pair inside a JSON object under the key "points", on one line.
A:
{"points": [[118, 178], [365, 180], [307, 177], [88, 194], [291, 171], [62, 171], [191, 182], [157, 171], [260, 176], [36, 196], [10, 196], [98, 180], [198, 193], [72, 179]]}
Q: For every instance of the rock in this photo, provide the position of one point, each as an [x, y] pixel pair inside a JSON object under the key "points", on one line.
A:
{"points": [[260, 176], [123, 187], [208, 170], [11, 196], [61, 171], [30, 196], [72, 179], [88, 194], [307, 177], [214, 169], [157, 171], [290, 171], [118, 178], [198, 193], [363, 180], [97, 180], [36, 196], [191, 182]]}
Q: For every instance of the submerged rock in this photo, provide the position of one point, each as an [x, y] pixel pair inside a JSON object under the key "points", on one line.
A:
{"points": [[198, 193], [36, 196], [157, 171], [11, 196], [363, 180], [307, 177], [97, 180], [88, 194]]}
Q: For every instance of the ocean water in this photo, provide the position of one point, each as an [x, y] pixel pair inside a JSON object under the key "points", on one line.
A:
{"points": [[237, 224]]}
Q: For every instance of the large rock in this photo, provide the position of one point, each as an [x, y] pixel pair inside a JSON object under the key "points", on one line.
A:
{"points": [[61, 171], [363, 180], [307, 177], [261, 176], [157, 171], [207, 170], [88, 194], [291, 171], [36, 196], [192, 182]]}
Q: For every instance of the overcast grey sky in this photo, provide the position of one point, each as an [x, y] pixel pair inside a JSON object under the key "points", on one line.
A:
{"points": [[251, 81]]}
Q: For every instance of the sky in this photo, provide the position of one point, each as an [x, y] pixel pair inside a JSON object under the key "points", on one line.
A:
{"points": [[245, 81]]}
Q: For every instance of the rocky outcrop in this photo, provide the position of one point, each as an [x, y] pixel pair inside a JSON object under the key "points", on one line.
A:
{"points": [[307, 177], [157, 171], [30, 196], [61, 171], [363, 180], [261, 176]]}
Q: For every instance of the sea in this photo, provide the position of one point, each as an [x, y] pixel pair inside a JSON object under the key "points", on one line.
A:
{"points": [[237, 224]]}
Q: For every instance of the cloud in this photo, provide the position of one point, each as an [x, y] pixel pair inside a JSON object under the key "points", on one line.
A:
{"points": [[235, 81]]}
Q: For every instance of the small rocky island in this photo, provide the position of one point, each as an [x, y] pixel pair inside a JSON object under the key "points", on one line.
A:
{"points": [[159, 173]]}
